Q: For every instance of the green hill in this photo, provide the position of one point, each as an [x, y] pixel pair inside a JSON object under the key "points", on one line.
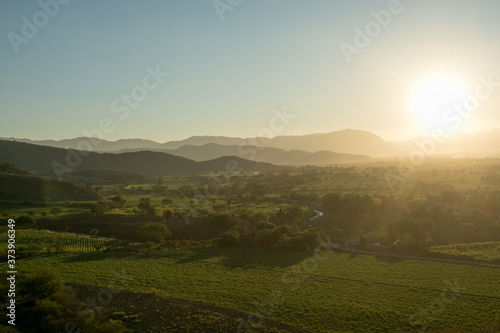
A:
{"points": [[11, 169], [57, 161], [33, 188], [20, 185]]}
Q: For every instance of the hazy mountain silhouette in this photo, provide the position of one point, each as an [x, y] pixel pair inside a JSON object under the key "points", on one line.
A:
{"points": [[288, 150], [261, 154], [94, 144], [345, 141], [42, 159], [203, 140]]}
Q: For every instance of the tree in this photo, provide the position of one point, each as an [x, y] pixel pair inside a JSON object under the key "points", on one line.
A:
{"points": [[118, 201], [56, 210], [230, 238], [167, 215], [145, 207], [101, 208], [56, 305], [166, 201], [404, 226], [43, 284], [333, 202], [26, 221], [425, 225], [155, 232], [94, 232], [290, 215]]}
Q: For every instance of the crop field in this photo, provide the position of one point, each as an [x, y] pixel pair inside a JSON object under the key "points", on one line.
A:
{"points": [[485, 252], [43, 241], [323, 291]]}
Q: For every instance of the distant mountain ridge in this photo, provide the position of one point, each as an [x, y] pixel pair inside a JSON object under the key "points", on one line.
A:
{"points": [[277, 156], [291, 149], [353, 142], [42, 159]]}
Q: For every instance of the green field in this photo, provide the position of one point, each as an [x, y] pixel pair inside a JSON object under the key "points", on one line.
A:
{"points": [[324, 292], [483, 252], [44, 241]]}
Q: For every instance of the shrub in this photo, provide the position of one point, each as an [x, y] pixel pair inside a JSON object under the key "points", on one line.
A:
{"points": [[56, 210], [230, 238], [26, 221], [155, 232]]}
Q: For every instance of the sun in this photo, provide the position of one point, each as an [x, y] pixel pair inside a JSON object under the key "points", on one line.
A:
{"points": [[434, 97]]}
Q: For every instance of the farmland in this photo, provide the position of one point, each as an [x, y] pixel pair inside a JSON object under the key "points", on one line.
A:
{"points": [[483, 252], [43, 241], [243, 245], [324, 292]]}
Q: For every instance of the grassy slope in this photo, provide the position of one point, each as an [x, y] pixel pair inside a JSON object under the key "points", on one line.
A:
{"points": [[329, 292]]}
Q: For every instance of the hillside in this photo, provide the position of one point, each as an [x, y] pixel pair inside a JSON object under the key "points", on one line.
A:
{"points": [[43, 159], [325, 157], [277, 156], [104, 177], [33, 188], [11, 169], [102, 146], [233, 163], [345, 141], [202, 140], [20, 185]]}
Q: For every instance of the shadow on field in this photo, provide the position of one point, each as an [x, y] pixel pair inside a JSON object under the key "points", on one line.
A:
{"points": [[390, 260], [247, 258]]}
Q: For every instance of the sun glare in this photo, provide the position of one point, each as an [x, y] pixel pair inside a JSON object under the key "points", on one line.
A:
{"points": [[434, 97]]}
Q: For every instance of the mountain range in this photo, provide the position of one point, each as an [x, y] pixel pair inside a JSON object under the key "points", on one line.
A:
{"points": [[344, 146], [50, 161]]}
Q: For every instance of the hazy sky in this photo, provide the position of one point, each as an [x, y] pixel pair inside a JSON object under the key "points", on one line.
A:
{"points": [[227, 76]]}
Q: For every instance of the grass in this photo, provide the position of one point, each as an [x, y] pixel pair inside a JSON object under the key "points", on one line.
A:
{"points": [[324, 292]]}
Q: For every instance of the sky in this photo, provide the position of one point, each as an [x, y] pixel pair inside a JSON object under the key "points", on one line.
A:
{"points": [[167, 70]]}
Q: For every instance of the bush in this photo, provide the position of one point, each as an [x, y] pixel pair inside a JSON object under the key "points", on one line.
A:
{"points": [[230, 238], [166, 201], [56, 210], [41, 285], [155, 232], [26, 221], [145, 208]]}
